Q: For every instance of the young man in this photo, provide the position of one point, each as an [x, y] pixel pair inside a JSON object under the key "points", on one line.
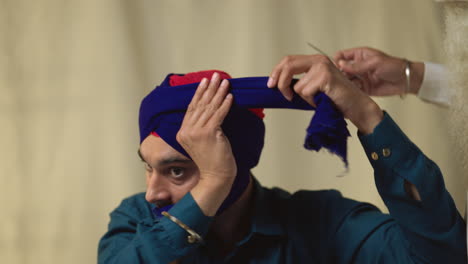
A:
{"points": [[214, 211]]}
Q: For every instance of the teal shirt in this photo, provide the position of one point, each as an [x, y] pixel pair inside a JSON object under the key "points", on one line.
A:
{"points": [[311, 226]]}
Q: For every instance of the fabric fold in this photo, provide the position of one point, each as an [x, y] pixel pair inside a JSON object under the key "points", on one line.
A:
{"points": [[163, 110]]}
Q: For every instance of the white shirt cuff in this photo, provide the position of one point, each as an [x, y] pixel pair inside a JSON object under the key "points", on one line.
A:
{"points": [[434, 87]]}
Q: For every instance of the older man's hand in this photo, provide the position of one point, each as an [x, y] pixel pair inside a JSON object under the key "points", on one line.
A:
{"points": [[321, 75], [380, 74]]}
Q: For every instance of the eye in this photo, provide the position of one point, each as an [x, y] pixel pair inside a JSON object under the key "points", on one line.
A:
{"points": [[177, 172]]}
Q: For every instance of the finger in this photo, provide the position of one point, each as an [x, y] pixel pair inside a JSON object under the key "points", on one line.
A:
{"points": [[211, 90], [284, 84], [339, 55], [220, 94], [302, 83], [292, 65], [359, 67], [304, 80], [309, 88], [211, 107], [317, 76], [353, 53], [200, 91], [308, 93], [273, 79], [191, 113], [347, 54], [218, 117]]}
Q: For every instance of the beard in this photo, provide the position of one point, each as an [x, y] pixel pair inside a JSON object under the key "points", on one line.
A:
{"points": [[456, 46]]}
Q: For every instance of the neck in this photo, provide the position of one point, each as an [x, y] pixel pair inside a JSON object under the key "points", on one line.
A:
{"points": [[234, 223]]}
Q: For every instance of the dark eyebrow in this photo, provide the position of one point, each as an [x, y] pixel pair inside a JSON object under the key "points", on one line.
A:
{"points": [[173, 160], [167, 161]]}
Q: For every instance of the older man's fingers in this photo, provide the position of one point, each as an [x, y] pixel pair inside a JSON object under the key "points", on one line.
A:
{"points": [[360, 67], [347, 54]]}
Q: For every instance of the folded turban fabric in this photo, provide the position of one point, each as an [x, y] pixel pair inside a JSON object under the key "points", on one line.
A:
{"points": [[163, 110]]}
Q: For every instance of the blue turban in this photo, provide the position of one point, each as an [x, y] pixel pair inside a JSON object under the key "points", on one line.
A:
{"points": [[163, 110]]}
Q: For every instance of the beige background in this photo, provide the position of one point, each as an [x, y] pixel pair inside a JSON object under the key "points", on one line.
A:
{"points": [[72, 74]]}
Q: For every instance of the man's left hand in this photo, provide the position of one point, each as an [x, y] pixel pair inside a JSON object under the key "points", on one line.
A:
{"points": [[321, 75]]}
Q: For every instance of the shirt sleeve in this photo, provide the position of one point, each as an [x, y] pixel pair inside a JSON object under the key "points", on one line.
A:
{"points": [[426, 231], [135, 236], [435, 88]]}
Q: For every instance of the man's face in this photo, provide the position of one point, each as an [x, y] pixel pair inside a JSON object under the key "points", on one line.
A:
{"points": [[169, 174]]}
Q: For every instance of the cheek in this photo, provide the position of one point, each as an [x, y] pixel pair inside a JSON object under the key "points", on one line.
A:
{"points": [[179, 191]]}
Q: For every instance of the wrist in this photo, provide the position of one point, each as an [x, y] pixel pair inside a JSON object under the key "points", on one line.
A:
{"points": [[209, 194], [216, 183], [417, 76], [359, 108], [369, 116]]}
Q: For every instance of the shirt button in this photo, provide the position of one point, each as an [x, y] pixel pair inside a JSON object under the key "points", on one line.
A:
{"points": [[386, 152], [374, 156]]}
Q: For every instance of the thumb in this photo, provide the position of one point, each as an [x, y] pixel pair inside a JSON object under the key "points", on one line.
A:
{"points": [[357, 67]]}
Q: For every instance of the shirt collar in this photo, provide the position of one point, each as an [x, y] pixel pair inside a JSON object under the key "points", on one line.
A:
{"points": [[267, 216]]}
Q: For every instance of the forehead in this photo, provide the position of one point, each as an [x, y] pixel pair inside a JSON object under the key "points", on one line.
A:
{"points": [[154, 149]]}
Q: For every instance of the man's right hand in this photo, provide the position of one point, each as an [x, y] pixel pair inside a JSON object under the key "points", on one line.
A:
{"points": [[379, 74], [203, 139]]}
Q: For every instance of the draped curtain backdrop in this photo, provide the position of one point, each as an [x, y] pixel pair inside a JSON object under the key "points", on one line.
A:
{"points": [[72, 75]]}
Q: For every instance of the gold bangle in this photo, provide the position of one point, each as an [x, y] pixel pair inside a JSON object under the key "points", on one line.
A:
{"points": [[193, 237]]}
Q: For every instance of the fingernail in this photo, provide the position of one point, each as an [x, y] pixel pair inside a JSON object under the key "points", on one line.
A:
{"points": [[270, 82], [214, 76], [224, 82], [203, 81], [289, 97]]}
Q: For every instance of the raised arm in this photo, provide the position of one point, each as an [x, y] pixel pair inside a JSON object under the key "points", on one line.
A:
{"points": [[424, 226]]}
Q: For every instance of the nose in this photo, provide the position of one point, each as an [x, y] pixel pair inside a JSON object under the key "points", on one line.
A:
{"points": [[157, 190]]}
